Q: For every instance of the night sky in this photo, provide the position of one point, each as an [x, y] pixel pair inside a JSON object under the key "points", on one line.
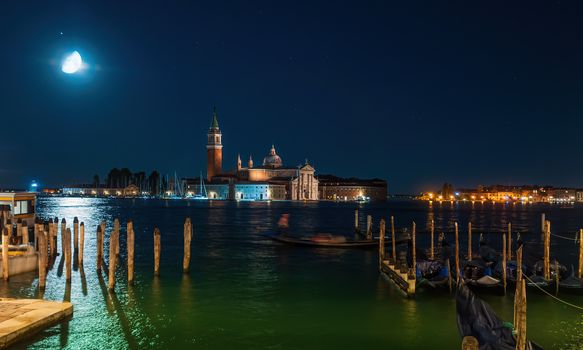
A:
{"points": [[468, 92]]}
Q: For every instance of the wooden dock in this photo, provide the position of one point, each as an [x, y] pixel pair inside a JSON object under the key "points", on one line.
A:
{"points": [[402, 280], [19, 318]]}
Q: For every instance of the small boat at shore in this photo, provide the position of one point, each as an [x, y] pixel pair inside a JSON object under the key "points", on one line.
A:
{"points": [[329, 241]]}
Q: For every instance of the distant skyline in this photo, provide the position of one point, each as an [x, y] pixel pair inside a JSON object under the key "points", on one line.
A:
{"points": [[417, 93]]}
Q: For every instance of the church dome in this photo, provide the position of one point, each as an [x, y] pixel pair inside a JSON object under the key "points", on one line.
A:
{"points": [[272, 160]]}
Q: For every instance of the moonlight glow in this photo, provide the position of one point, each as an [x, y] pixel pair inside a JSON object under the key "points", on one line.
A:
{"points": [[73, 63]]}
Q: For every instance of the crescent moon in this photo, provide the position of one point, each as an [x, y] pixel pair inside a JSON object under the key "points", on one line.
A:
{"points": [[73, 63]]}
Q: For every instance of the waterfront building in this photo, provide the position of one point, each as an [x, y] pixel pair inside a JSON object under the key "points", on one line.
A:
{"points": [[348, 189], [502, 193], [101, 191], [270, 180], [214, 149], [561, 195]]}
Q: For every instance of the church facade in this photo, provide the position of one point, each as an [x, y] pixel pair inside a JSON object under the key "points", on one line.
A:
{"points": [[269, 181]]}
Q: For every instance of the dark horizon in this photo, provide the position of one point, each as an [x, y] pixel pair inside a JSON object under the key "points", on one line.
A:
{"points": [[414, 93]]}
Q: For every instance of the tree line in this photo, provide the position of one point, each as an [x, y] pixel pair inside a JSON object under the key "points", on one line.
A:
{"points": [[120, 178]]}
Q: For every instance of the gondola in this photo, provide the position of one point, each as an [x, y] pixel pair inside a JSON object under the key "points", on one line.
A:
{"points": [[477, 274], [433, 274], [571, 284], [477, 319], [329, 241]]}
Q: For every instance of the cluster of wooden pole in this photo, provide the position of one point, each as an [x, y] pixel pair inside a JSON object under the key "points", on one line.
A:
{"points": [[46, 242], [114, 248]]}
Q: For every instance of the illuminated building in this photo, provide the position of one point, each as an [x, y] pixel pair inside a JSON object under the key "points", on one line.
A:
{"points": [[214, 149], [101, 191], [336, 188], [271, 180]]}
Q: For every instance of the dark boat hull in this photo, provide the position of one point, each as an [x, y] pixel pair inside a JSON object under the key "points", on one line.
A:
{"points": [[364, 244]]}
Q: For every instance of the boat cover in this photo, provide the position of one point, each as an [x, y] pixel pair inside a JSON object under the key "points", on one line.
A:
{"points": [[476, 318]]}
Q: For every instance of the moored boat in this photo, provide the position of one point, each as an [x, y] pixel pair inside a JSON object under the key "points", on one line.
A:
{"points": [[329, 241]]}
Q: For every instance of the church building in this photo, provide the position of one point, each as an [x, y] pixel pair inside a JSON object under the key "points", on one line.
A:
{"points": [[269, 181]]}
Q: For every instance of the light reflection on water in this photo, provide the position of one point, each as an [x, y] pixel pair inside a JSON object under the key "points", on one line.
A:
{"points": [[245, 291]]}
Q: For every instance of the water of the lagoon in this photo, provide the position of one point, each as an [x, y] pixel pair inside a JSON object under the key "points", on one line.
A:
{"points": [[247, 292]]}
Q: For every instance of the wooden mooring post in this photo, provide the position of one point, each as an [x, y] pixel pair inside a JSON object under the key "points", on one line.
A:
{"points": [[394, 245], [547, 252], [157, 248], [504, 262], [75, 233], [470, 240], [42, 261], [432, 251], [509, 241], [54, 232], [543, 223], [68, 259], [81, 242], [520, 306], [381, 243], [51, 225], [368, 227], [113, 243], [99, 254], [63, 234], [45, 233], [130, 247], [470, 343], [5, 239], [518, 283], [356, 228], [187, 240], [580, 270], [414, 249], [55, 237], [457, 254]]}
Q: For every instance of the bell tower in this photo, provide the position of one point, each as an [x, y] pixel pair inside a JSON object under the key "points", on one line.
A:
{"points": [[214, 149]]}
